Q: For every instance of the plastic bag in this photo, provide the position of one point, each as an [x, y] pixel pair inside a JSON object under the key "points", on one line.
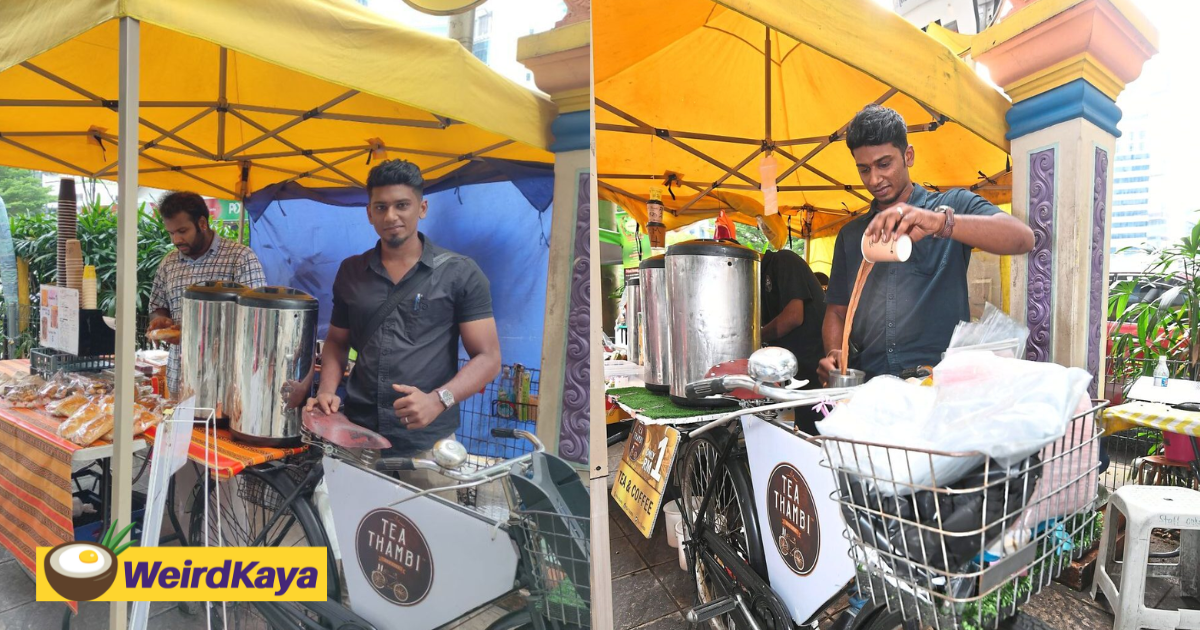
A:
{"points": [[1069, 481], [995, 332], [58, 387], [89, 424], [66, 407], [23, 393], [981, 406]]}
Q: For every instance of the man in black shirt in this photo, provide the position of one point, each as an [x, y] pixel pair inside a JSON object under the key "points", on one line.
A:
{"points": [[793, 309], [908, 311], [406, 381]]}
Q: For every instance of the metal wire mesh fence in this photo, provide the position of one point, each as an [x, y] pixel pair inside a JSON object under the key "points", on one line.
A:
{"points": [[508, 402]]}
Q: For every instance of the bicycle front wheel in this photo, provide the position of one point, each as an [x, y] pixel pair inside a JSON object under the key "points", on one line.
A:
{"points": [[242, 512], [730, 513]]}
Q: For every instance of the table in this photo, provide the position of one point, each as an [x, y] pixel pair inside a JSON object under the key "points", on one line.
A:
{"points": [[35, 477], [1154, 415], [230, 457]]}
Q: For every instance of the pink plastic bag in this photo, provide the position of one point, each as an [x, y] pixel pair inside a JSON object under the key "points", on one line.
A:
{"points": [[1069, 481]]}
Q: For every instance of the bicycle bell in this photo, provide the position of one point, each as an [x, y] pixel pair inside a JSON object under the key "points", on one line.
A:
{"points": [[449, 453], [772, 365]]}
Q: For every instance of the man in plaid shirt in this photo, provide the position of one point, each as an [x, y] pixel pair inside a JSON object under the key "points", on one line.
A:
{"points": [[200, 256]]}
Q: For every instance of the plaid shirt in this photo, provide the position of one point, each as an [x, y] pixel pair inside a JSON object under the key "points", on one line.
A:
{"points": [[224, 260]]}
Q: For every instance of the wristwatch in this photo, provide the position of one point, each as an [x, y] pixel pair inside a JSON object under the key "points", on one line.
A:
{"points": [[948, 229], [447, 398]]}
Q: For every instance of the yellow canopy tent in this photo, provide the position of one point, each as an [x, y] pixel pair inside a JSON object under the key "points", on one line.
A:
{"points": [[683, 97], [302, 90], [225, 97]]}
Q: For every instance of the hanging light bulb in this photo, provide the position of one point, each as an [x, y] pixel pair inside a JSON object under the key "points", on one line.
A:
{"points": [[767, 170]]}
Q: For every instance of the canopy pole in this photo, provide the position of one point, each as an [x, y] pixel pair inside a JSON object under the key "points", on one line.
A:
{"points": [[127, 220], [222, 101], [721, 179], [767, 82]]}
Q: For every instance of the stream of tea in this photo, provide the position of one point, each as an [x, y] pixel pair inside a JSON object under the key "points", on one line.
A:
{"points": [[864, 270]]}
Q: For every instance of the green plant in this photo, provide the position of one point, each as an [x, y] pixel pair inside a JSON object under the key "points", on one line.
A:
{"points": [[22, 191], [1168, 326]]}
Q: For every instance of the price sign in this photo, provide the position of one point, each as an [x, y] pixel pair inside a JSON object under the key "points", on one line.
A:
{"points": [[60, 319], [643, 473]]}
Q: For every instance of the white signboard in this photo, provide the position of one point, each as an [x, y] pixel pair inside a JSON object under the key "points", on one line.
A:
{"points": [[60, 319], [419, 564], [801, 525]]}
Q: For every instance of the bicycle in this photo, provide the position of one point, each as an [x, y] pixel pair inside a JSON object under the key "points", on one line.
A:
{"points": [[728, 561], [545, 550]]}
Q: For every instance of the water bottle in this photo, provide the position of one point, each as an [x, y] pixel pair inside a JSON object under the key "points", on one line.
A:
{"points": [[1161, 374]]}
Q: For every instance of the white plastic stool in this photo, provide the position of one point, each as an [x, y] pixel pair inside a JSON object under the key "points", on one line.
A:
{"points": [[1147, 508]]}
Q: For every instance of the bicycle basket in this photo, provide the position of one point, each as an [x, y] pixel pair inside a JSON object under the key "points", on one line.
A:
{"points": [[557, 549], [966, 554]]}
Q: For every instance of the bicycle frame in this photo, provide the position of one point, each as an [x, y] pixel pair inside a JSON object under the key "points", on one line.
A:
{"points": [[751, 591]]}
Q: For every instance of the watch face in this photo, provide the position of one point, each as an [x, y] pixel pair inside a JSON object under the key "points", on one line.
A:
{"points": [[447, 397]]}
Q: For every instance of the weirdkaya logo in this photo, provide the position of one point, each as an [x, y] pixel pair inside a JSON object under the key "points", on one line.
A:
{"points": [[80, 571]]}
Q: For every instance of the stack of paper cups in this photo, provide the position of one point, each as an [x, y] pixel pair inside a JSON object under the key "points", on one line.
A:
{"points": [[67, 219], [74, 265], [88, 295]]}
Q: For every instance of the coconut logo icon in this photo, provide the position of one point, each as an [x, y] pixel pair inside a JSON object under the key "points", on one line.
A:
{"points": [[82, 571]]}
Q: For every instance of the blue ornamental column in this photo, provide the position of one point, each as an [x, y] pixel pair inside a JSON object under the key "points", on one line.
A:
{"points": [[561, 63], [1063, 63]]}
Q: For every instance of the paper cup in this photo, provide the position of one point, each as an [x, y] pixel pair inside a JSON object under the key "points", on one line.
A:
{"points": [[681, 535], [672, 517], [895, 250]]}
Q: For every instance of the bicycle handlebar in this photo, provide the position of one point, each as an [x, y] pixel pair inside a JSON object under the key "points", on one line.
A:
{"points": [[401, 464], [791, 397]]}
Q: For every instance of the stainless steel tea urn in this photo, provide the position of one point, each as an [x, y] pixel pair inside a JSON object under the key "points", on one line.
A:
{"points": [[633, 318], [712, 288], [656, 314], [273, 365], [206, 348]]}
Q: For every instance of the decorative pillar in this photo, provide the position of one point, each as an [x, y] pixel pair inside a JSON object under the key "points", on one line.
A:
{"points": [[1063, 63], [561, 63]]}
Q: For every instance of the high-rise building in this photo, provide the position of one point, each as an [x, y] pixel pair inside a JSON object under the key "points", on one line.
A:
{"points": [[498, 26], [961, 16]]}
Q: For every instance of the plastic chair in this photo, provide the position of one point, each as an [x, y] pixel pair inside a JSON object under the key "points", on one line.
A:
{"points": [[1146, 508]]}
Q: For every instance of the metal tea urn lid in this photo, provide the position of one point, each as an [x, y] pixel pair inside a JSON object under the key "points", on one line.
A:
{"points": [[712, 247], [280, 298], [215, 291]]}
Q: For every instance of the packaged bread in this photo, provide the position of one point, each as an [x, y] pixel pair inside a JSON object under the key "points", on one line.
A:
{"points": [[25, 393], [143, 419], [66, 407], [59, 387], [89, 423]]}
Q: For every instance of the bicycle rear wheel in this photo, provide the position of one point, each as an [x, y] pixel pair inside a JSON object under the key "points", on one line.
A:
{"points": [[240, 512], [731, 513]]}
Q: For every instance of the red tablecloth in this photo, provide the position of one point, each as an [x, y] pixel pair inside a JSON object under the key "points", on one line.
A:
{"points": [[35, 480], [229, 457]]}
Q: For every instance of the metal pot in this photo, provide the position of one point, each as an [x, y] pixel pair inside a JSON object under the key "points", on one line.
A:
{"points": [[633, 318], [656, 315], [712, 289], [209, 313], [273, 365]]}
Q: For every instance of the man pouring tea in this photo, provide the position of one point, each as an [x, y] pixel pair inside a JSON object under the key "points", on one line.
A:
{"points": [[907, 311]]}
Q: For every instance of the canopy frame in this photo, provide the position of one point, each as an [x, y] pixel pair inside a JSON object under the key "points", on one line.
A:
{"points": [[237, 155], [766, 144]]}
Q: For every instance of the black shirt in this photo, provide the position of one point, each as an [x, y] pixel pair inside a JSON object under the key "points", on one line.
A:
{"points": [[908, 310], [417, 345], [786, 277]]}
